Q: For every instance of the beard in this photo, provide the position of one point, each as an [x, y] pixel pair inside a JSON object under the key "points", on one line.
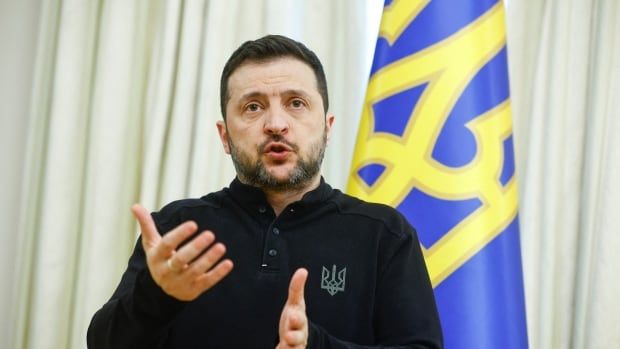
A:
{"points": [[254, 172]]}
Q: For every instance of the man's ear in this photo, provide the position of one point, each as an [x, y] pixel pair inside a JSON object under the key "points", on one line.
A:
{"points": [[329, 122], [223, 133]]}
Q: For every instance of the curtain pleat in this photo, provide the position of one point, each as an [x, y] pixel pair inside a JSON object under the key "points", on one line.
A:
{"points": [[564, 69]]}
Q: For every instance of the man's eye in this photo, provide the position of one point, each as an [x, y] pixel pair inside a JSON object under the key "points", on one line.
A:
{"points": [[252, 107], [297, 103]]}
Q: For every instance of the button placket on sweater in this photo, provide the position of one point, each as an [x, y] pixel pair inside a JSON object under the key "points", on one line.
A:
{"points": [[274, 251], [272, 258], [272, 244]]}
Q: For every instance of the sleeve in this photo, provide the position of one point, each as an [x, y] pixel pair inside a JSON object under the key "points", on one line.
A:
{"points": [[139, 313], [405, 311]]}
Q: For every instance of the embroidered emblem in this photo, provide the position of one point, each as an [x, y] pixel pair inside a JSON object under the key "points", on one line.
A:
{"points": [[333, 282]]}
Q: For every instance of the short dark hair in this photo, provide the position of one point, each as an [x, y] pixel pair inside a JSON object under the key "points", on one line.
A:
{"points": [[266, 49]]}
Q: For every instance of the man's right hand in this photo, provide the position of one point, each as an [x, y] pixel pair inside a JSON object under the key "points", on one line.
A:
{"points": [[183, 273]]}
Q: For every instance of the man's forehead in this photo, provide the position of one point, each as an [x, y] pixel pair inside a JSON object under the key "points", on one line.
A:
{"points": [[273, 76]]}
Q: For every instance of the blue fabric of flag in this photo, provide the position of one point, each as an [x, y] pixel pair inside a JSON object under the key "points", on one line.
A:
{"points": [[478, 285]]}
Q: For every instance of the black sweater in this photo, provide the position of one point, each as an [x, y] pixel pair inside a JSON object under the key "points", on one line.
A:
{"points": [[367, 285]]}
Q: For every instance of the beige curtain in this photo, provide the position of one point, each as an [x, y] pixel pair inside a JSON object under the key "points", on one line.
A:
{"points": [[565, 69], [123, 106]]}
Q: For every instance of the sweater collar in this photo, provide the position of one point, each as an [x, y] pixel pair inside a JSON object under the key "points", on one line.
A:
{"points": [[255, 196]]}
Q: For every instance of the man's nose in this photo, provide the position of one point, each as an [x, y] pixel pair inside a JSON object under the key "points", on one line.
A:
{"points": [[276, 121]]}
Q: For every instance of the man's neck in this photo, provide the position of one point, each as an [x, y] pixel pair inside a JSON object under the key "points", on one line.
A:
{"points": [[280, 199]]}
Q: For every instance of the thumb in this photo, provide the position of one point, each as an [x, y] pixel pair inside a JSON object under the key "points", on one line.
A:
{"points": [[296, 287], [147, 227]]}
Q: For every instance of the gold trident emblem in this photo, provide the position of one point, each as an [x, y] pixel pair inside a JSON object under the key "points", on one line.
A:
{"points": [[408, 159]]}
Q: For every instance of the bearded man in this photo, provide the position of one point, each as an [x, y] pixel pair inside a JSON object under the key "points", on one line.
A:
{"points": [[278, 259]]}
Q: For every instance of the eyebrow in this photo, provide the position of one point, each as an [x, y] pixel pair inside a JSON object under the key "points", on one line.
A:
{"points": [[289, 92]]}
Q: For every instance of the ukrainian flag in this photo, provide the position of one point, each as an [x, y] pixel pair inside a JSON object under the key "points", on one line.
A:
{"points": [[435, 142]]}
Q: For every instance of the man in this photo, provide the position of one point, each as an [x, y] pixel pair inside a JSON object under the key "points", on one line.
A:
{"points": [[313, 267]]}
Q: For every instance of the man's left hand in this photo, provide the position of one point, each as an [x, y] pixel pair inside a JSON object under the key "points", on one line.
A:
{"points": [[293, 329]]}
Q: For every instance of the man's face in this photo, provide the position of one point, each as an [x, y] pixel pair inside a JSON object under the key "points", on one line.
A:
{"points": [[275, 130]]}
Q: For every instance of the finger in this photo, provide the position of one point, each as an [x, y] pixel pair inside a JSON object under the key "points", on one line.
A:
{"points": [[174, 238], [150, 236], [296, 320], [215, 275], [296, 287], [208, 259], [294, 338], [194, 248]]}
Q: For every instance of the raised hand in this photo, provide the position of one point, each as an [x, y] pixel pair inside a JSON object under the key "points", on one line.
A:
{"points": [[186, 272], [293, 329]]}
